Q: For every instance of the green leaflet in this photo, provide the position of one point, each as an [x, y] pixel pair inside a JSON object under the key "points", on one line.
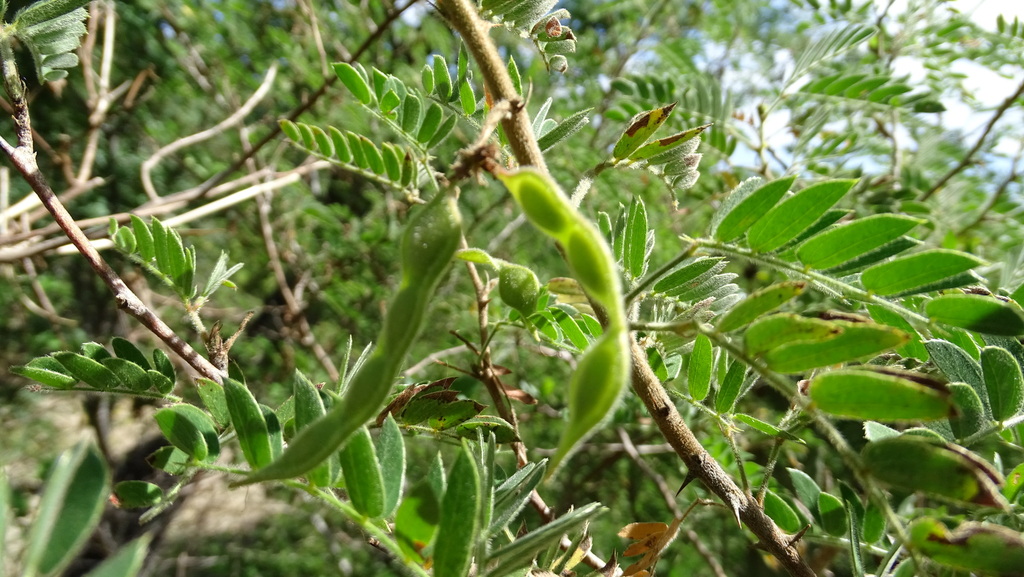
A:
{"points": [[308, 407], [730, 387], [915, 271], [844, 243], [970, 411], [640, 130], [978, 547], [363, 478], [652, 151], [855, 341], [564, 129], [76, 490], [780, 512], [939, 469], [87, 370], [250, 424], [391, 453], [978, 313], [48, 371], [1003, 381], [354, 80], [747, 204], [759, 303], [774, 331], [458, 527], [699, 370], [190, 429], [877, 396], [636, 239], [135, 494], [787, 220], [832, 513]]}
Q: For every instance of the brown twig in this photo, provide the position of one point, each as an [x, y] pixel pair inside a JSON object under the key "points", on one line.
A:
{"points": [[966, 160], [463, 16], [23, 157]]}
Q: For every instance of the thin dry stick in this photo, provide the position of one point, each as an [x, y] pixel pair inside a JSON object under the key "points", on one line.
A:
{"points": [[237, 117], [463, 16], [275, 130], [295, 309], [24, 158], [966, 160]]}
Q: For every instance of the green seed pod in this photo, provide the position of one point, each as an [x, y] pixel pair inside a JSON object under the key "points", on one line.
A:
{"points": [[545, 206], [428, 246], [519, 288], [596, 386], [593, 266], [430, 240]]}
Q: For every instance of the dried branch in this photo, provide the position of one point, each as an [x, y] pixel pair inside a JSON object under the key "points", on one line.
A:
{"points": [[23, 157], [966, 160], [219, 128]]}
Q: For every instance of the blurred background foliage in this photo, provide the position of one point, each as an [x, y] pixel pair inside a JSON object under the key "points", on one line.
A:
{"points": [[185, 66]]}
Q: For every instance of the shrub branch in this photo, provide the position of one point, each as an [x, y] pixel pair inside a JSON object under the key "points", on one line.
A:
{"points": [[462, 16]]}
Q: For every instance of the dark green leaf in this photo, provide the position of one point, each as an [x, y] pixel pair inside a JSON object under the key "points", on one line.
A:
{"points": [[416, 519], [467, 98], [1003, 381], [212, 394], [190, 429], [163, 364], [746, 205], [855, 341], [806, 489], [970, 412], [363, 478], [780, 512], [978, 313], [128, 351], [917, 270], [128, 373], [250, 424], [458, 530], [787, 220], [75, 493], [759, 303], [844, 243], [442, 132], [171, 460], [431, 122], [832, 514], [938, 469], [88, 371], [136, 494], [978, 547], [877, 396]]}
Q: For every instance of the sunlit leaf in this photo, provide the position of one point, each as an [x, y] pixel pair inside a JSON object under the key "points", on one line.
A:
{"points": [[787, 220], [877, 396]]}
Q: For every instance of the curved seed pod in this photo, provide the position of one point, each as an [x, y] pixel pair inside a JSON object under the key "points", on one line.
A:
{"points": [[603, 371], [428, 245], [594, 390]]}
